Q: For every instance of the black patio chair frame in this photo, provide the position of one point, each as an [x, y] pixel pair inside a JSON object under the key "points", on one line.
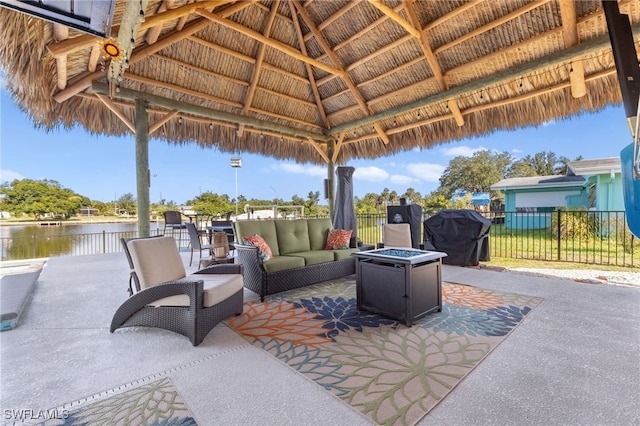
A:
{"points": [[194, 321]]}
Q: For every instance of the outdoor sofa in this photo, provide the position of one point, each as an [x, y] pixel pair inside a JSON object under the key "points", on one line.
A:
{"points": [[300, 257]]}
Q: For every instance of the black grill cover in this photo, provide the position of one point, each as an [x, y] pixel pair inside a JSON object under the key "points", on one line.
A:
{"points": [[411, 214], [462, 234]]}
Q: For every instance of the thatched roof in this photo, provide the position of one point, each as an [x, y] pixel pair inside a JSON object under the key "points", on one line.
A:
{"points": [[319, 80]]}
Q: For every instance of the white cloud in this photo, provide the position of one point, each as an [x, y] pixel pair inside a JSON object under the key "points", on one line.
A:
{"points": [[10, 176], [465, 151], [371, 173], [403, 179], [549, 123], [300, 169], [428, 172]]}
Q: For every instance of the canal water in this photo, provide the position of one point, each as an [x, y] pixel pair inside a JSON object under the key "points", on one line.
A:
{"points": [[13, 231], [66, 239]]}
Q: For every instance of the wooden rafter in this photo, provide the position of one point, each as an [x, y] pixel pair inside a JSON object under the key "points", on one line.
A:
{"points": [[479, 108], [86, 40], [318, 148], [209, 113], [338, 147], [505, 51], [555, 58], [270, 42], [571, 38], [258, 65], [117, 111], [60, 32], [129, 27], [158, 124], [484, 28], [148, 50], [310, 76], [334, 59], [154, 32]]}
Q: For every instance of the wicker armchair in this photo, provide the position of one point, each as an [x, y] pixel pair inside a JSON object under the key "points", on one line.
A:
{"points": [[169, 299]]}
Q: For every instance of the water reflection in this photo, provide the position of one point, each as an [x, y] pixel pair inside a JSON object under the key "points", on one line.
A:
{"points": [[33, 241]]}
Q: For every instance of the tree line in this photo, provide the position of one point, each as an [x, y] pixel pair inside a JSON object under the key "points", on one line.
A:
{"points": [[462, 177]]}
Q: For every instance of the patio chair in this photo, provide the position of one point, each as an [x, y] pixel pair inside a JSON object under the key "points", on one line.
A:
{"points": [[190, 305], [196, 242], [396, 235], [173, 222]]}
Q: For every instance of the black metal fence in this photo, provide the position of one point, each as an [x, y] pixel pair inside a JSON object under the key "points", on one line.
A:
{"points": [[593, 237]]}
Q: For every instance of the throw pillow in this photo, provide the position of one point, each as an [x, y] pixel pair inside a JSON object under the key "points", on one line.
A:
{"points": [[338, 239], [263, 247]]}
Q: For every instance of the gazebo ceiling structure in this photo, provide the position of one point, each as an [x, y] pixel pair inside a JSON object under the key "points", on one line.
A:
{"points": [[317, 81]]}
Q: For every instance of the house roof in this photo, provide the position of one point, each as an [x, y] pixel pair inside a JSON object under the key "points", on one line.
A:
{"points": [[317, 81], [543, 182], [594, 167]]}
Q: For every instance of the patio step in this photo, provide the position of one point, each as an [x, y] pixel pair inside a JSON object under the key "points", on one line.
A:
{"points": [[15, 292]]}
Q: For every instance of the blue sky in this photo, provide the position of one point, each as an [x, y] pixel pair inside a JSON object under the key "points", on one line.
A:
{"points": [[103, 168]]}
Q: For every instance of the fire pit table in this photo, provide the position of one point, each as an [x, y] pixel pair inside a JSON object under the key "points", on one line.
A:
{"points": [[400, 283]]}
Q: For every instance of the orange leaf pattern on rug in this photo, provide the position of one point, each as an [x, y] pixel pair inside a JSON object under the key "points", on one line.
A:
{"points": [[392, 374], [472, 297], [280, 321]]}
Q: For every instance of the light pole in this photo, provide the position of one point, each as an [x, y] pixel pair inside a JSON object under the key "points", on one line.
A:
{"points": [[236, 163]]}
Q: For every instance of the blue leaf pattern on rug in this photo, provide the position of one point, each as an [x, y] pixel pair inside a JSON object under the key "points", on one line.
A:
{"points": [[342, 314], [498, 321], [391, 373]]}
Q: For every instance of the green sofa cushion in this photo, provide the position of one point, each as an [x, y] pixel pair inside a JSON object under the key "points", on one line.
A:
{"points": [[281, 263], [293, 236], [314, 257], [318, 231], [343, 254], [265, 228]]}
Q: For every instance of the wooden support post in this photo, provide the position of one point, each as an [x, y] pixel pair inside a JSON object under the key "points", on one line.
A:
{"points": [[142, 166]]}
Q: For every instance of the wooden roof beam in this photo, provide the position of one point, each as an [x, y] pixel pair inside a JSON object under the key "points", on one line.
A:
{"points": [[197, 94], [478, 108], [117, 111], [318, 148], [61, 32], [394, 16], [86, 40], [258, 65], [484, 28], [555, 58], [129, 27], [208, 113], [323, 42], [154, 32], [161, 121], [380, 21], [571, 38], [288, 50], [146, 51], [433, 63], [338, 147], [310, 76]]}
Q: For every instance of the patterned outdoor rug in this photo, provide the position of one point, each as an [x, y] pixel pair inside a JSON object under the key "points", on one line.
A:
{"points": [[155, 403], [390, 373]]}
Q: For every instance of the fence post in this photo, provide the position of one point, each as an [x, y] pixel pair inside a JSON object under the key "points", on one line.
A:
{"points": [[559, 231], [104, 241]]}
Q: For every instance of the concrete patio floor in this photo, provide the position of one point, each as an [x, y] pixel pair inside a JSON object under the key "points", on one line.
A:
{"points": [[575, 359]]}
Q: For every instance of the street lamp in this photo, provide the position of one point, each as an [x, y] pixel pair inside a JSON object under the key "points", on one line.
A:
{"points": [[236, 163]]}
